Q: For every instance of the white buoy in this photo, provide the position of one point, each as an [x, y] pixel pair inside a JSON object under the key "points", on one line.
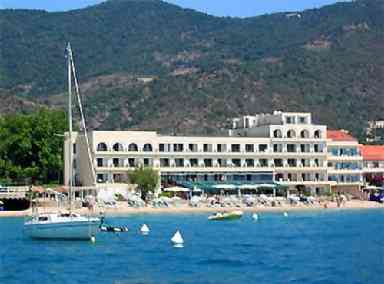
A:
{"points": [[255, 216], [285, 214], [93, 239], [144, 229], [177, 240]]}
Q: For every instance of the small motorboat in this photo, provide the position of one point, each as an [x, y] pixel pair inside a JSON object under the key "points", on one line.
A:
{"points": [[223, 216], [113, 229]]}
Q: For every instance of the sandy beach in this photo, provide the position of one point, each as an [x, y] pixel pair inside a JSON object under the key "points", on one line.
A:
{"points": [[123, 209]]}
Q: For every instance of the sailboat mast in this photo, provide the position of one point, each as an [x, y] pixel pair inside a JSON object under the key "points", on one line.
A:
{"points": [[70, 150]]}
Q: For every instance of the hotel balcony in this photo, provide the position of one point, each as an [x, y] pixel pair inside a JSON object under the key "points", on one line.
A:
{"points": [[345, 171], [331, 157], [216, 168], [266, 154], [373, 170], [301, 169]]}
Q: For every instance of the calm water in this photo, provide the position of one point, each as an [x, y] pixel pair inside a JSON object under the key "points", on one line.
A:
{"points": [[310, 247]]}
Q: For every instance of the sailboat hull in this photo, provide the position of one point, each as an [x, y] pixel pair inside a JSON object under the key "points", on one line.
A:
{"points": [[71, 230]]}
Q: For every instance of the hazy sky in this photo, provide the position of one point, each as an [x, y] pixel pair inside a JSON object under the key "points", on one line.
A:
{"points": [[239, 8]]}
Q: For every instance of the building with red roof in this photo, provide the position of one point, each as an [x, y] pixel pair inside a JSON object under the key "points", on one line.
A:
{"points": [[340, 135], [373, 156], [372, 152], [345, 163]]}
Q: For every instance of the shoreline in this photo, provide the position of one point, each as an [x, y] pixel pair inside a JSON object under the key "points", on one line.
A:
{"points": [[125, 210]]}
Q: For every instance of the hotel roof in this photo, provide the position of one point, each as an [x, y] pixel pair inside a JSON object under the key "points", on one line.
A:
{"points": [[372, 152], [340, 135]]}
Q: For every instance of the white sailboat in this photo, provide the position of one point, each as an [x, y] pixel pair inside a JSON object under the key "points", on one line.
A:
{"points": [[69, 226]]}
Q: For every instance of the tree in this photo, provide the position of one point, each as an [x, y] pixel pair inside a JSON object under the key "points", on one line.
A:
{"points": [[29, 149], [146, 179]]}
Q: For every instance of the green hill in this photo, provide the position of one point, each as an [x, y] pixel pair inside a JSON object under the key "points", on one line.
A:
{"points": [[196, 70]]}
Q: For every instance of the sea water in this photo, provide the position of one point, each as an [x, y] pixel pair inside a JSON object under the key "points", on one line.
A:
{"points": [[305, 247]]}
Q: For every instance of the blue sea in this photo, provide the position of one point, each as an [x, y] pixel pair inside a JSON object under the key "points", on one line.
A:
{"points": [[305, 247]]}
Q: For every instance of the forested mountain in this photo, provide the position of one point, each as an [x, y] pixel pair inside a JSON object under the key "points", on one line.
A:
{"points": [[153, 65]]}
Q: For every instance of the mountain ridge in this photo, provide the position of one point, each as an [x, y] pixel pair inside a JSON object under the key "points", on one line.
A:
{"points": [[200, 69]]}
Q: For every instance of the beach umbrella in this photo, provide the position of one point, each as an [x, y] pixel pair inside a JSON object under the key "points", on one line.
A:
{"points": [[38, 189], [61, 189]]}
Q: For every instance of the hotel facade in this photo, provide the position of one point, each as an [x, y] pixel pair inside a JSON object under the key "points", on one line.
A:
{"points": [[282, 147]]}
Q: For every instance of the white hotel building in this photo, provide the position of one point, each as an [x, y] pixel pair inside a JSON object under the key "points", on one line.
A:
{"points": [[281, 147]]}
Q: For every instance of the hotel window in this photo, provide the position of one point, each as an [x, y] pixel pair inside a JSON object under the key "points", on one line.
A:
{"points": [[302, 120], [290, 119], [263, 147], [207, 147], [115, 162], [305, 163], [117, 147], [317, 134], [375, 165], [292, 163], [74, 148], [179, 163], [291, 148], [99, 162], [279, 177], [316, 148], [335, 152], [235, 148], [133, 147], [263, 162], [131, 162], [178, 147], [304, 148], [221, 148], [236, 162], [164, 162], [147, 148], [102, 147], [277, 133], [291, 134], [332, 178], [250, 148], [147, 162], [161, 147], [277, 148], [304, 134], [220, 162], [100, 178], [194, 162], [192, 147], [250, 162], [117, 177], [278, 162], [208, 163]]}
